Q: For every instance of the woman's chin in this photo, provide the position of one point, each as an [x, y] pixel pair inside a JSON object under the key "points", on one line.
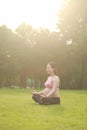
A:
{"points": [[48, 73]]}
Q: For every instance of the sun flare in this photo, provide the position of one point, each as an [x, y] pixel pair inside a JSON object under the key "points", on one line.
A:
{"points": [[38, 13]]}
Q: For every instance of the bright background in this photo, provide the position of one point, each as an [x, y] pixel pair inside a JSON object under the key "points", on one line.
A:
{"points": [[38, 13]]}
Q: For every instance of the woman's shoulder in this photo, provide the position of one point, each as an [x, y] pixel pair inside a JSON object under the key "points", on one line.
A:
{"points": [[57, 78]]}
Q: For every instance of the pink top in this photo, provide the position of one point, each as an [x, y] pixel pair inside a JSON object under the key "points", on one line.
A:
{"points": [[49, 83]]}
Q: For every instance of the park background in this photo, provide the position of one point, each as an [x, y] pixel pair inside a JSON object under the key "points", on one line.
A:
{"points": [[25, 51], [24, 54]]}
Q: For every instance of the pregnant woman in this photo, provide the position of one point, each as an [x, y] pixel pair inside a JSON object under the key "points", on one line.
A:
{"points": [[50, 95]]}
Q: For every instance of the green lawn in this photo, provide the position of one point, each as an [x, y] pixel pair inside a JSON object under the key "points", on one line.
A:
{"points": [[19, 112]]}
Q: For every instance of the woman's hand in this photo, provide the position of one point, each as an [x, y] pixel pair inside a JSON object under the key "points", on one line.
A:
{"points": [[34, 92], [43, 96]]}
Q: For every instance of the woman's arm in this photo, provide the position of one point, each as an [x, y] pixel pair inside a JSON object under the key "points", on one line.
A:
{"points": [[41, 92], [55, 85]]}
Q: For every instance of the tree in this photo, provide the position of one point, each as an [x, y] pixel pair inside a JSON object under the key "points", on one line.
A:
{"points": [[73, 27], [8, 59]]}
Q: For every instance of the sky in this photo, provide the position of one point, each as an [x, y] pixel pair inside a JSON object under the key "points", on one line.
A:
{"points": [[38, 13]]}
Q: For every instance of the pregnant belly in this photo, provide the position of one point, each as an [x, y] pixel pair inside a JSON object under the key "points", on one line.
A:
{"points": [[55, 94], [47, 90]]}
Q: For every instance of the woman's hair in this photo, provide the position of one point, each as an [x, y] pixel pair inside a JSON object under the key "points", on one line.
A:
{"points": [[53, 65]]}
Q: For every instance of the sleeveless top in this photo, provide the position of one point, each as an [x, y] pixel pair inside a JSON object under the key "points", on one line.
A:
{"points": [[49, 83]]}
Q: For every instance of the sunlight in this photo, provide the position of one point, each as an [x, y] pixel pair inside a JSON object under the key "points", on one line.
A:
{"points": [[38, 13]]}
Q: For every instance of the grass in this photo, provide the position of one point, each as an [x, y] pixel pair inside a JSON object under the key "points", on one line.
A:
{"points": [[19, 112]]}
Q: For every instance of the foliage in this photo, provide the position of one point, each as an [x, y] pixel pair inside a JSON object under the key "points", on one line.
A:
{"points": [[73, 27], [25, 52]]}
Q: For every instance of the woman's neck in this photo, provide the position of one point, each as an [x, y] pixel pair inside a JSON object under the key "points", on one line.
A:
{"points": [[52, 74]]}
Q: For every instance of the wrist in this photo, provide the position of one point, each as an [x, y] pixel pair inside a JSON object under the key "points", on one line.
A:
{"points": [[47, 96]]}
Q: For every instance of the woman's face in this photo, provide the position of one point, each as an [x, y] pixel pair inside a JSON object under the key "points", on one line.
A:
{"points": [[49, 69]]}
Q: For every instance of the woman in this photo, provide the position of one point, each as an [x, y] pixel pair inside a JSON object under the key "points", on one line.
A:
{"points": [[50, 95]]}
